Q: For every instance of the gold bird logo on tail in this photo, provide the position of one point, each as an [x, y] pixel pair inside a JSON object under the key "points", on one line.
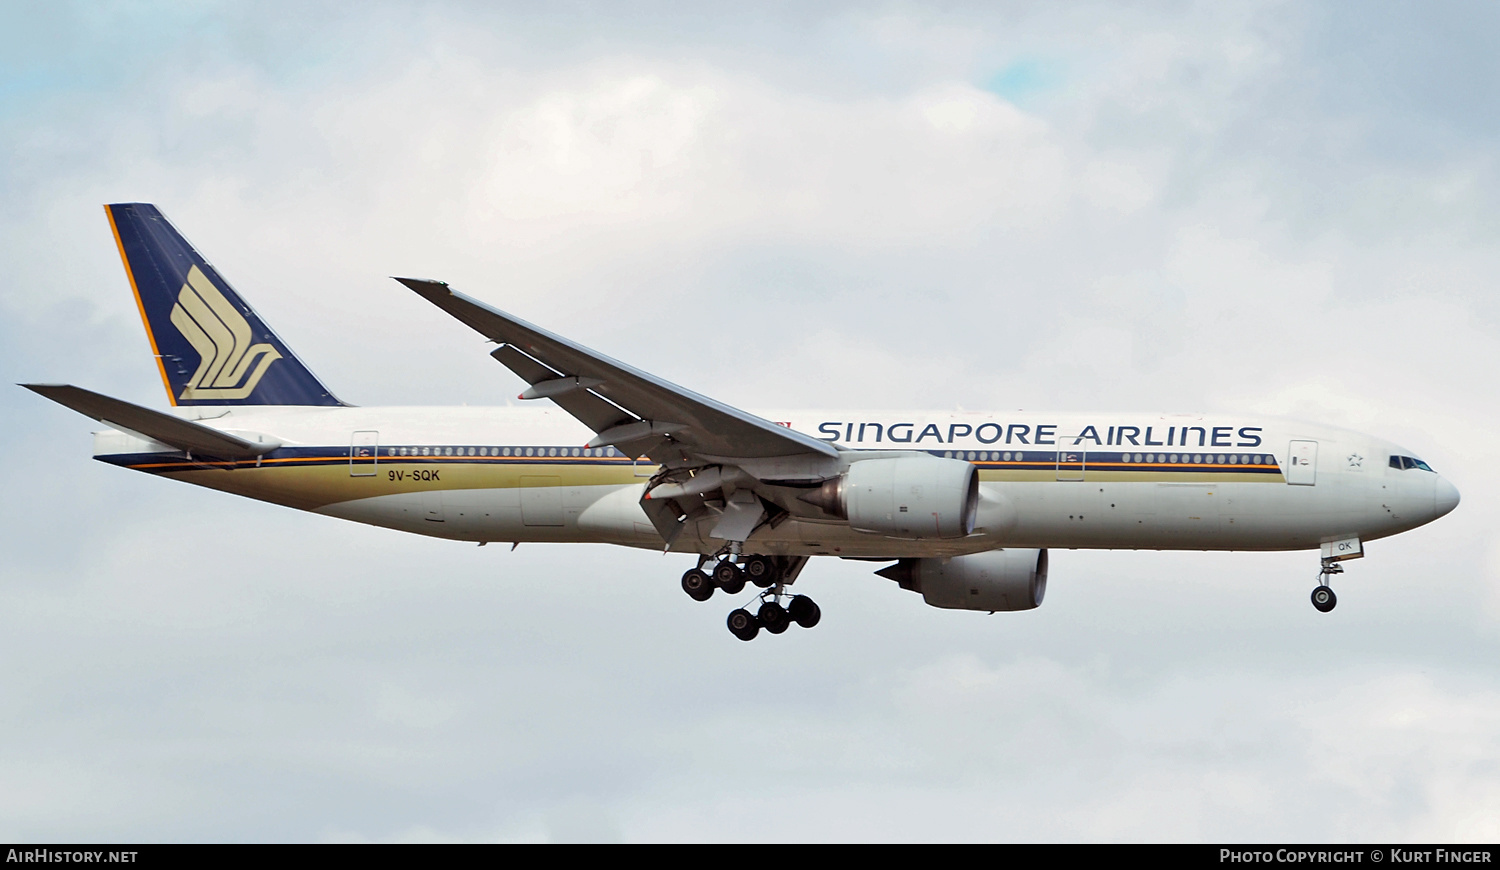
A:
{"points": [[221, 335]]}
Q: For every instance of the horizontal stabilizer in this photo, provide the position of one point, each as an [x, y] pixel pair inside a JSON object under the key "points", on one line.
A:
{"points": [[169, 430]]}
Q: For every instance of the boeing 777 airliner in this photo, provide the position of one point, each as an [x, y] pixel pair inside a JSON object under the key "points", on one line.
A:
{"points": [[963, 505]]}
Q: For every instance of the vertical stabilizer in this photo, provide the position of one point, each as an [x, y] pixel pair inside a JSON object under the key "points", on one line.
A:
{"points": [[211, 348]]}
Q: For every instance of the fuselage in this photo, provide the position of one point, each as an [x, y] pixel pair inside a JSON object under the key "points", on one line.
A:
{"points": [[1101, 480]]}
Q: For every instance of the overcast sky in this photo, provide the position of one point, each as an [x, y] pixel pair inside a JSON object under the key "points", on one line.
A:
{"points": [[1257, 208]]}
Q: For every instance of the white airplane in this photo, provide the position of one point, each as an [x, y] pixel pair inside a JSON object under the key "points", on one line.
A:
{"points": [[964, 505]]}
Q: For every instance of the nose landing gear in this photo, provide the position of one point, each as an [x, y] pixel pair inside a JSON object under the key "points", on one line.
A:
{"points": [[1322, 595]]}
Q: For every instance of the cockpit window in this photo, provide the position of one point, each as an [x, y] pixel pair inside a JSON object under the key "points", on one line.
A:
{"points": [[1408, 462]]}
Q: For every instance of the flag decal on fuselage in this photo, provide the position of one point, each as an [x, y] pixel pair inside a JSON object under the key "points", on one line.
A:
{"points": [[221, 336]]}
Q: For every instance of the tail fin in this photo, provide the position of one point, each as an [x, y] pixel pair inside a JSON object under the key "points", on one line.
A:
{"points": [[211, 347]]}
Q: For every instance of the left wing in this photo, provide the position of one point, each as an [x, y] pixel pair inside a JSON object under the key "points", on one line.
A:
{"points": [[709, 451], [648, 409]]}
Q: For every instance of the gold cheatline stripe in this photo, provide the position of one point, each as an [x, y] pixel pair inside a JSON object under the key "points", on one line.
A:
{"points": [[394, 460], [150, 336], [397, 460], [1122, 466]]}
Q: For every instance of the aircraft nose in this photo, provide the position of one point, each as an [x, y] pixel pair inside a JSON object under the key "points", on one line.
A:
{"points": [[1446, 497]]}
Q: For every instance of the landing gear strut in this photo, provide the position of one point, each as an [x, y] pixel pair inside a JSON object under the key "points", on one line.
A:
{"points": [[1322, 595]]}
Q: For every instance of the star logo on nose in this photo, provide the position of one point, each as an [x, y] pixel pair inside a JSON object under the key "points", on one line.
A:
{"points": [[1355, 459]]}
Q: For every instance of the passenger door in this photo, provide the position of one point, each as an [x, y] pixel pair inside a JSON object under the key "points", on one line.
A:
{"points": [[1071, 460], [364, 453], [1302, 463]]}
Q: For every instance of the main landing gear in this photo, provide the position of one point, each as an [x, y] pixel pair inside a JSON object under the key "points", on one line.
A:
{"points": [[773, 617], [770, 574], [1322, 595], [726, 575]]}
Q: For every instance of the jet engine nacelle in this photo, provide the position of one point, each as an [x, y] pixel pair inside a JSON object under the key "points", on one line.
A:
{"points": [[996, 580], [913, 497]]}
